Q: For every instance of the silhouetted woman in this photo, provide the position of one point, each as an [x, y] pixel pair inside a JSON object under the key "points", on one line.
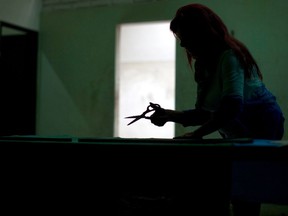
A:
{"points": [[231, 97]]}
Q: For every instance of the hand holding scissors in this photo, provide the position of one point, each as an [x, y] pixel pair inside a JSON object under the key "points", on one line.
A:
{"points": [[150, 108]]}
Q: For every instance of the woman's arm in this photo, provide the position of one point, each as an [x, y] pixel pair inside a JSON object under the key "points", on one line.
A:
{"points": [[186, 118], [229, 109]]}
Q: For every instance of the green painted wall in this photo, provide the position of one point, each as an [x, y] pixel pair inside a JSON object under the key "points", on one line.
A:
{"points": [[77, 59], [22, 13]]}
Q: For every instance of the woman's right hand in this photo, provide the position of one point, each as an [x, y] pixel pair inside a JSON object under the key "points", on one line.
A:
{"points": [[160, 117]]}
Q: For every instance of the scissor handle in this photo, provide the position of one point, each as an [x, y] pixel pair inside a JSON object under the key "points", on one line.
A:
{"points": [[154, 106]]}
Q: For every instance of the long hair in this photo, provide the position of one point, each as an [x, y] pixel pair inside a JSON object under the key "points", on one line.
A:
{"points": [[199, 19]]}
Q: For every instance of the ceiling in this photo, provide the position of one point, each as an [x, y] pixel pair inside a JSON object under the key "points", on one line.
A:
{"points": [[52, 5]]}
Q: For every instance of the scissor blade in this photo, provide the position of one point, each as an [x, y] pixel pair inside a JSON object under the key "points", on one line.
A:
{"points": [[142, 117], [136, 119], [136, 116]]}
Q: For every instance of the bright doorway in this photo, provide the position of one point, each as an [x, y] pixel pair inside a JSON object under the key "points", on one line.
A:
{"points": [[145, 72]]}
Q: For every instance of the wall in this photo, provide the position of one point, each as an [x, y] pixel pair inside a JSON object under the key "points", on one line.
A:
{"points": [[77, 64], [77, 58], [24, 13]]}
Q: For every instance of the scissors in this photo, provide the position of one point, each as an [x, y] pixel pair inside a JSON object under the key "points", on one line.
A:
{"points": [[150, 108]]}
